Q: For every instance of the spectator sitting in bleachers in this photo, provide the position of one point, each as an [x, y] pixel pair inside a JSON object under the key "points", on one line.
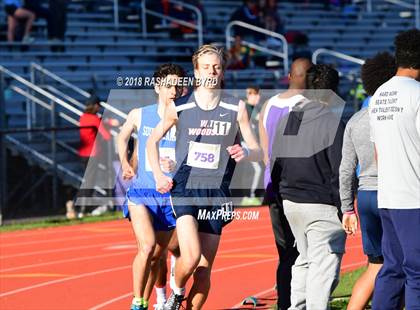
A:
{"points": [[299, 42], [185, 14], [271, 17], [15, 13], [247, 13], [178, 11], [239, 55]]}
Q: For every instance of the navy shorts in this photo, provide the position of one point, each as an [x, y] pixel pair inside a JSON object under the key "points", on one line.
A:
{"points": [[371, 226], [212, 208], [159, 206]]}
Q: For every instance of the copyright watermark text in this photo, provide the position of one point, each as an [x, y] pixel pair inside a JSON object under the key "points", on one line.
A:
{"points": [[140, 81]]}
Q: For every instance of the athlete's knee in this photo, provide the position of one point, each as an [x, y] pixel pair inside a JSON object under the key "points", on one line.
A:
{"points": [[147, 249], [202, 276], [158, 258], [190, 262], [202, 273]]}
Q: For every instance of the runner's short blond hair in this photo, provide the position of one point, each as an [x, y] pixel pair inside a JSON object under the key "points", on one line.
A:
{"points": [[210, 49]]}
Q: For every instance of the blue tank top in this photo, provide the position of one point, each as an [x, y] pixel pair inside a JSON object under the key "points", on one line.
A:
{"points": [[149, 119], [202, 138]]}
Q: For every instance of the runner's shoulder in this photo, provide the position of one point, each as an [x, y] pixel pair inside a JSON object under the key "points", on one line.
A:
{"points": [[230, 102], [134, 115]]}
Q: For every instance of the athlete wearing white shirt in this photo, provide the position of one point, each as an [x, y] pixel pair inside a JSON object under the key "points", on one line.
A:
{"points": [[394, 119]]}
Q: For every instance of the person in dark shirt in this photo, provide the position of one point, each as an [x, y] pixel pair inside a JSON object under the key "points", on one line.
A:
{"points": [[247, 13], [271, 17], [58, 9], [306, 156]]}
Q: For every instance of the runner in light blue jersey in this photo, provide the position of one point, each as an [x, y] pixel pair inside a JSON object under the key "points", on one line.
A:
{"points": [[150, 212]]}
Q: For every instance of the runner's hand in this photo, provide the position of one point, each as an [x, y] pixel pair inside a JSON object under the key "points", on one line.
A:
{"points": [[236, 152], [112, 122], [128, 171], [350, 223], [167, 165], [163, 184]]}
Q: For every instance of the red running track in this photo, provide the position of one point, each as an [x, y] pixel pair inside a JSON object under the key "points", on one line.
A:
{"points": [[88, 266]]}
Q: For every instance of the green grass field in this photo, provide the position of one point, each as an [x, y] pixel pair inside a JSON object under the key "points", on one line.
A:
{"points": [[58, 221], [342, 293]]}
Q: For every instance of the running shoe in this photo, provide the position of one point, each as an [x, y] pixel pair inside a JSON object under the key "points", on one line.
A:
{"points": [[159, 306], [174, 302], [136, 307]]}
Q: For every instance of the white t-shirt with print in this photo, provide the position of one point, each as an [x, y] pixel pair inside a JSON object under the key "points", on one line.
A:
{"points": [[395, 129]]}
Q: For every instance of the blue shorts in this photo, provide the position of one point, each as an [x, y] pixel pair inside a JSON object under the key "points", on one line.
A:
{"points": [[370, 225], [212, 208], [159, 206]]}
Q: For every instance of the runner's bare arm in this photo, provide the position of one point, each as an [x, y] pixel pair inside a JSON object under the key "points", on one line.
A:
{"points": [[163, 182], [255, 152], [128, 127], [263, 134], [376, 154]]}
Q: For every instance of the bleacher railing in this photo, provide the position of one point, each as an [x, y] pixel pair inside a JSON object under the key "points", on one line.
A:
{"points": [[198, 27], [407, 5], [336, 54], [284, 54], [36, 67], [52, 107]]}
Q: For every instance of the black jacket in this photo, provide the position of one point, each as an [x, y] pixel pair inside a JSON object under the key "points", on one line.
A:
{"points": [[307, 154]]}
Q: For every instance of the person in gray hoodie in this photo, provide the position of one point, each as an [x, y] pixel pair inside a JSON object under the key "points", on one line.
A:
{"points": [[359, 159], [306, 157]]}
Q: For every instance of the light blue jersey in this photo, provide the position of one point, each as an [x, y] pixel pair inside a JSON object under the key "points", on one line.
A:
{"points": [[143, 188], [149, 120]]}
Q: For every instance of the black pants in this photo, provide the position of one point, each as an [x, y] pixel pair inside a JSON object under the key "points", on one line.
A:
{"points": [[58, 9], [40, 12], [286, 251]]}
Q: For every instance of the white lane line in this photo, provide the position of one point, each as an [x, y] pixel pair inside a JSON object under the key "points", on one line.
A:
{"points": [[111, 301], [70, 260], [54, 230], [83, 275], [92, 235], [94, 246], [108, 302], [361, 263], [60, 250]]}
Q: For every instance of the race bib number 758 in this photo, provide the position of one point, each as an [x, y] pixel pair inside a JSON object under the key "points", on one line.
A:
{"points": [[203, 155]]}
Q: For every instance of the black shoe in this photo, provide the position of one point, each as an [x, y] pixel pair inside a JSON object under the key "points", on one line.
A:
{"points": [[174, 302]]}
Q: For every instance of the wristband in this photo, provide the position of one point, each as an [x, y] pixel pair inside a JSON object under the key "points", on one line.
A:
{"points": [[246, 151], [349, 212]]}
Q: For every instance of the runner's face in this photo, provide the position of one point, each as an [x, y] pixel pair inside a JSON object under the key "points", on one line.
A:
{"points": [[209, 70], [168, 89]]}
